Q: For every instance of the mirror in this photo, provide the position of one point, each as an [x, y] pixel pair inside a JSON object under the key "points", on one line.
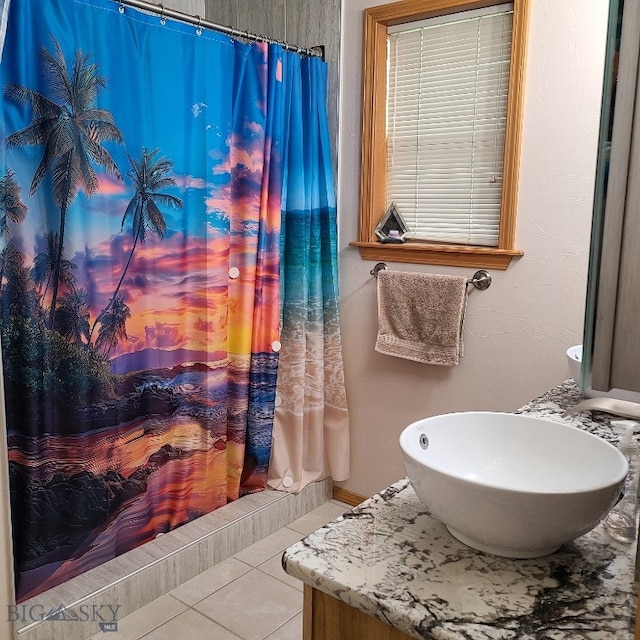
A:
{"points": [[611, 342]]}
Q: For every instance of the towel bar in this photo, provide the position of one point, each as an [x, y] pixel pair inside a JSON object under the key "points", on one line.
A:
{"points": [[381, 266], [481, 279]]}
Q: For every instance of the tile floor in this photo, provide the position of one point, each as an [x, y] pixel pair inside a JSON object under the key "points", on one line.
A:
{"points": [[246, 597]]}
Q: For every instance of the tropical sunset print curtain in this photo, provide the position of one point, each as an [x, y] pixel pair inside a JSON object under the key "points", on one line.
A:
{"points": [[141, 186]]}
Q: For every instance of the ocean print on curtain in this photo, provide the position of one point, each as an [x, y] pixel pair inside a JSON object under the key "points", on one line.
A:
{"points": [[311, 427], [140, 177]]}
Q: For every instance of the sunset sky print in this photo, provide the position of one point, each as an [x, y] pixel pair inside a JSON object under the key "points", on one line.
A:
{"points": [[177, 288]]}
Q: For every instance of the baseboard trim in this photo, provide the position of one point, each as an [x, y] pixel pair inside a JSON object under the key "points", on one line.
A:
{"points": [[348, 497]]}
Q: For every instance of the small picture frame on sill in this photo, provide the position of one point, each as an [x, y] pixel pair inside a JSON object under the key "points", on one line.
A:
{"points": [[391, 228]]}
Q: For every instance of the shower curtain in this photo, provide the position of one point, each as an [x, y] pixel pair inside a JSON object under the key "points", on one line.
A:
{"points": [[310, 435], [142, 187]]}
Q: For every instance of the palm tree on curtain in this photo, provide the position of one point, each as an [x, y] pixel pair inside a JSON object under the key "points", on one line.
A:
{"points": [[44, 266], [19, 299], [12, 261], [72, 319], [71, 129], [149, 176], [11, 209], [11, 206], [113, 325]]}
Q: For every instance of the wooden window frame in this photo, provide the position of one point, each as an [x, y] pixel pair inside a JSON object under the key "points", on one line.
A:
{"points": [[373, 176]]}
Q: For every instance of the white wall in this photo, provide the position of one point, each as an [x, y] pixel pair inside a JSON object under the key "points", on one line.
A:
{"points": [[516, 332]]}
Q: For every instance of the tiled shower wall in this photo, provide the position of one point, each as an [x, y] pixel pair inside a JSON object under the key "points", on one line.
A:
{"points": [[306, 23], [194, 7]]}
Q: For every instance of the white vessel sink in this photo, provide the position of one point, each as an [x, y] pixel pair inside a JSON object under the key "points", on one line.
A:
{"points": [[511, 485]]}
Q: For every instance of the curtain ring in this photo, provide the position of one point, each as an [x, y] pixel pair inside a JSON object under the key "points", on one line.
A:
{"points": [[121, 8], [163, 20], [199, 28]]}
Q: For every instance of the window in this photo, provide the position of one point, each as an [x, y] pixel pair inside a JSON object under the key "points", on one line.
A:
{"points": [[445, 153]]}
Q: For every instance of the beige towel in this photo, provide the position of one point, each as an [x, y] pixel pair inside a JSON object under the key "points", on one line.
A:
{"points": [[420, 316]]}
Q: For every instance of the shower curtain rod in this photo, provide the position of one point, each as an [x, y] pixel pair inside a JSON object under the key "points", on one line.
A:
{"points": [[317, 52]]}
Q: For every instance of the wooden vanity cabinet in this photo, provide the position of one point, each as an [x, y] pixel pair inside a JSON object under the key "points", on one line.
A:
{"points": [[327, 618]]}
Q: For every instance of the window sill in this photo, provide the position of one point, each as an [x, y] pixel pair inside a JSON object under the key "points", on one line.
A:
{"points": [[447, 255]]}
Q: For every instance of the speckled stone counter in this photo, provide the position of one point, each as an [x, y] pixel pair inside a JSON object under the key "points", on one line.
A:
{"points": [[391, 560]]}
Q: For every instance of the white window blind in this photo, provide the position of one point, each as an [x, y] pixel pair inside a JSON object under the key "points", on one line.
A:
{"points": [[446, 115]]}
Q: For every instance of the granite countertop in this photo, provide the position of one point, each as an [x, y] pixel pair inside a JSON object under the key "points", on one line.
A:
{"points": [[389, 558]]}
